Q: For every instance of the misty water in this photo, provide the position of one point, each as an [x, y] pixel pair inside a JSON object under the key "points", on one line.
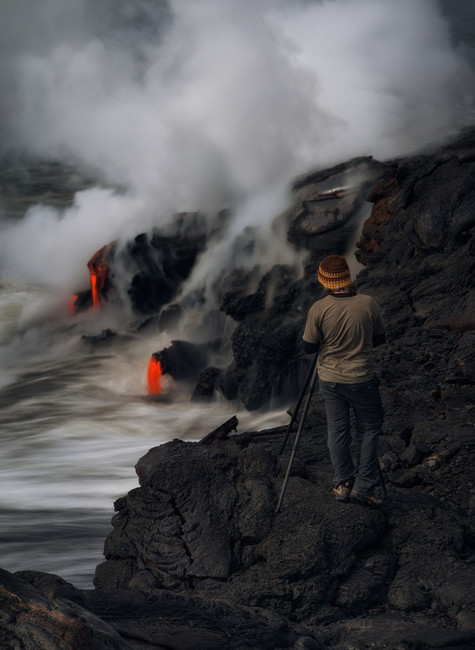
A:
{"points": [[161, 109], [75, 418]]}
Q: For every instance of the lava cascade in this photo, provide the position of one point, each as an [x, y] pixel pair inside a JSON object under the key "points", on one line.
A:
{"points": [[154, 374], [98, 267]]}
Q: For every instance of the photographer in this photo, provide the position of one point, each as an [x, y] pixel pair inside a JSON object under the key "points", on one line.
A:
{"points": [[343, 327]]}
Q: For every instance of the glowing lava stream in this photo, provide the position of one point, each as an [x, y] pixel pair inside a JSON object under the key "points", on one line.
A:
{"points": [[153, 376], [99, 269], [95, 290]]}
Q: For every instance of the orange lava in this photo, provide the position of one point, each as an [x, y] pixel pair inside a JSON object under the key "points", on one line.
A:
{"points": [[153, 376], [99, 269], [96, 300]]}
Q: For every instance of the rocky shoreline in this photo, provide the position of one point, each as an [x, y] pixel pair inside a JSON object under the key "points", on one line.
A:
{"points": [[197, 556]]}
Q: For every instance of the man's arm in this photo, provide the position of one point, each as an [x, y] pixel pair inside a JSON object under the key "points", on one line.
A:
{"points": [[310, 348], [311, 335]]}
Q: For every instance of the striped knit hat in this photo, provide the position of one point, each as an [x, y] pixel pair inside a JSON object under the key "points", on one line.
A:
{"points": [[334, 273]]}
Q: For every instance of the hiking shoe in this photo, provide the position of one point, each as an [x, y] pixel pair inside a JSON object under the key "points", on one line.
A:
{"points": [[365, 499], [342, 491]]}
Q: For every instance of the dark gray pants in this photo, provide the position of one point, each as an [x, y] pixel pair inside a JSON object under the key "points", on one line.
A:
{"points": [[365, 401]]}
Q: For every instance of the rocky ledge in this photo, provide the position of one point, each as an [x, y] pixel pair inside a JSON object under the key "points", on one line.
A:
{"points": [[198, 556]]}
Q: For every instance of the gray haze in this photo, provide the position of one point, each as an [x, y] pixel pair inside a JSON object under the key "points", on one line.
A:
{"points": [[213, 103]]}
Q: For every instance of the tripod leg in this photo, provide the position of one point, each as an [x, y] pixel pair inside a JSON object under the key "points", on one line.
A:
{"points": [[297, 406], [297, 437]]}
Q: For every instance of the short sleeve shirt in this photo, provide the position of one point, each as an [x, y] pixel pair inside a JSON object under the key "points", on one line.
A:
{"points": [[344, 327]]}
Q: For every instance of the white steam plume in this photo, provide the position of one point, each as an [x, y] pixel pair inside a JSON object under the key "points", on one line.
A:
{"points": [[218, 103]]}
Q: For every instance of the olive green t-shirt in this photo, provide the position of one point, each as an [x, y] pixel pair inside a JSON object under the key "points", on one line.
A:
{"points": [[344, 327]]}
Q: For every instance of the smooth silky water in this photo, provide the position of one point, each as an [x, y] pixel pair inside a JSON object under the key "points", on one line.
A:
{"points": [[74, 420]]}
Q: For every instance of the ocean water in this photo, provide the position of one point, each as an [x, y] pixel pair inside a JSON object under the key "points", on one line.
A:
{"points": [[74, 420], [155, 124]]}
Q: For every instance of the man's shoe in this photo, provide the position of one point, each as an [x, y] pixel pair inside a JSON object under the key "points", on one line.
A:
{"points": [[365, 499], [342, 491]]}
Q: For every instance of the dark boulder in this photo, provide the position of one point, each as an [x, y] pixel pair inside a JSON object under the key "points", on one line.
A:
{"points": [[326, 202], [205, 385], [184, 361], [161, 264], [269, 358], [105, 336], [34, 615]]}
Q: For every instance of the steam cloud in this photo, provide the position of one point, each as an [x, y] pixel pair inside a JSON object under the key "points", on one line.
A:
{"points": [[193, 105]]}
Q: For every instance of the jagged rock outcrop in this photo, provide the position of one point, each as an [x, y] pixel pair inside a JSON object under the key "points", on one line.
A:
{"points": [[44, 612], [203, 522], [161, 263], [326, 202], [420, 268], [151, 267], [270, 306], [418, 246], [184, 361]]}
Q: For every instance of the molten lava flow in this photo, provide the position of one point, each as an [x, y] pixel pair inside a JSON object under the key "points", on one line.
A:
{"points": [[153, 375], [95, 289], [99, 270]]}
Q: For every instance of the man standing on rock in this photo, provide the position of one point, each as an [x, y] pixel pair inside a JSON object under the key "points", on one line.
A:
{"points": [[343, 327]]}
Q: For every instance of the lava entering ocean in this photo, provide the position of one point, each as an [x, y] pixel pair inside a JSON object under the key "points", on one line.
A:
{"points": [[153, 376], [98, 267], [99, 271]]}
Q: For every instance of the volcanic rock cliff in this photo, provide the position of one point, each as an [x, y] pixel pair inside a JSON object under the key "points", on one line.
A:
{"points": [[198, 557]]}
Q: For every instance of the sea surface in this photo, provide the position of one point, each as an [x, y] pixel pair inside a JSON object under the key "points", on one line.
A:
{"points": [[74, 420]]}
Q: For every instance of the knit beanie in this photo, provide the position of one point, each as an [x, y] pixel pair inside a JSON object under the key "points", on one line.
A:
{"points": [[334, 273]]}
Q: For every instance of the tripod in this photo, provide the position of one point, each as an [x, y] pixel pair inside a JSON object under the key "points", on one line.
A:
{"points": [[307, 392]]}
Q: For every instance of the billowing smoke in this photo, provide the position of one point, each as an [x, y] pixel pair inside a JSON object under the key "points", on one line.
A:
{"points": [[206, 105]]}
